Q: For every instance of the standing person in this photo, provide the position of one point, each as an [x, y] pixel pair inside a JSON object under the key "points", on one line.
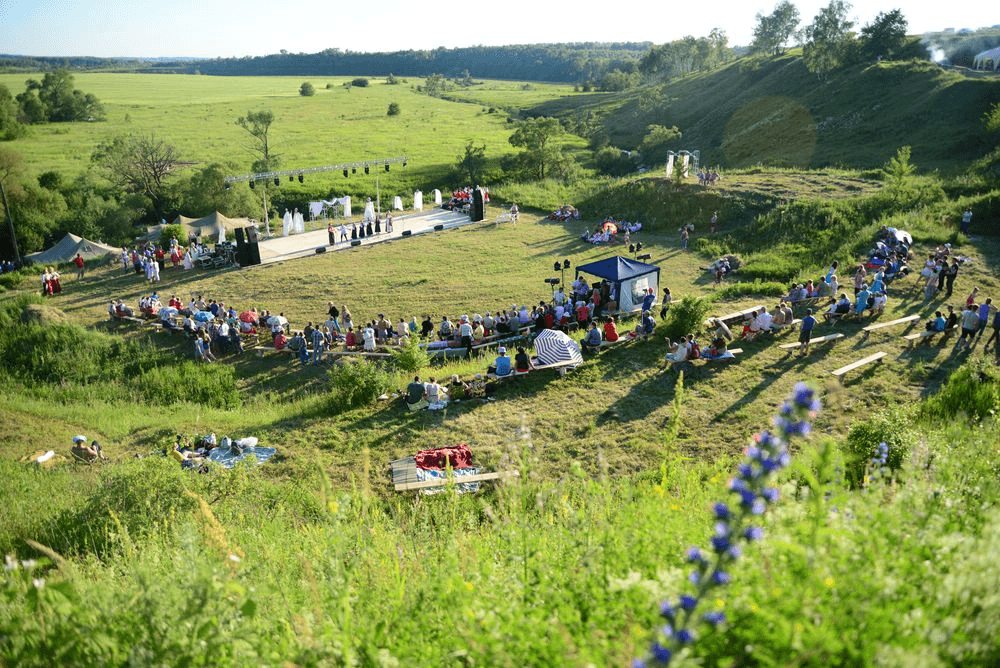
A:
{"points": [[859, 278], [970, 323], [388, 222], [712, 222], [465, 332], [331, 234], [319, 343], [78, 261], [805, 332], [950, 278], [354, 231], [984, 316], [684, 238], [995, 336], [378, 224], [334, 314], [343, 232], [966, 220], [514, 211]]}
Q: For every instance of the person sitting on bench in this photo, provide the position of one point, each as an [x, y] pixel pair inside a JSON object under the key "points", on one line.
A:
{"points": [[677, 353], [935, 324], [592, 340], [415, 392], [841, 307], [610, 331], [522, 362], [646, 325], [501, 365]]}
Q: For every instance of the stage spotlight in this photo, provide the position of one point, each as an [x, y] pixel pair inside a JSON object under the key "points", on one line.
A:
{"points": [[345, 173], [251, 184], [565, 264], [638, 247], [354, 170], [226, 186], [366, 169], [277, 181], [556, 266], [387, 166], [404, 162], [631, 248], [291, 178], [302, 179]]}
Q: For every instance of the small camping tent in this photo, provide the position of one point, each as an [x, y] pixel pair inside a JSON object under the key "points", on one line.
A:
{"points": [[987, 60], [68, 247], [629, 279]]}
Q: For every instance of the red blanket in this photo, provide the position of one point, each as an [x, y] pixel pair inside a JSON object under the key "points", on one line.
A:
{"points": [[459, 456]]}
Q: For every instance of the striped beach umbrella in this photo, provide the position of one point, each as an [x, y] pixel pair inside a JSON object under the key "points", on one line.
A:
{"points": [[554, 347]]}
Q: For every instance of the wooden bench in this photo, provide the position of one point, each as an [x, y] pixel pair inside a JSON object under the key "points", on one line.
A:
{"points": [[738, 316], [892, 323], [818, 339], [406, 478], [876, 357], [918, 337]]}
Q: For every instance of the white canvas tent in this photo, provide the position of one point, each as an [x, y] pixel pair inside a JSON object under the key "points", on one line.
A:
{"points": [[987, 60], [67, 248]]}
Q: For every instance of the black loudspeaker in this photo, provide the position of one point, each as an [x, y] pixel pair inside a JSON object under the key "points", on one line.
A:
{"points": [[438, 228], [251, 234], [477, 210], [356, 242], [243, 255], [407, 233], [253, 252], [240, 239], [320, 249]]}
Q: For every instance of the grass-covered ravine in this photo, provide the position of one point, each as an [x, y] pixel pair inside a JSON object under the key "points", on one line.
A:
{"points": [[816, 545]]}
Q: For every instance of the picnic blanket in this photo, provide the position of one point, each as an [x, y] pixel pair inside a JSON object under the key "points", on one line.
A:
{"points": [[721, 356], [431, 474], [435, 459], [240, 450]]}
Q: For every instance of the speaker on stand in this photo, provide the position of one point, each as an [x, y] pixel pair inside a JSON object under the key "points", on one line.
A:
{"points": [[478, 209]]}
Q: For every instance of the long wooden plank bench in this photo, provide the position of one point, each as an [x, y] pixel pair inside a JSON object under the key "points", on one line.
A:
{"points": [[876, 357], [918, 337], [736, 316], [892, 323], [818, 339], [406, 478]]}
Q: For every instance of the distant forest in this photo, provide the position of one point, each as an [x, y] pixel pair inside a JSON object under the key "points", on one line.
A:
{"points": [[567, 63]]}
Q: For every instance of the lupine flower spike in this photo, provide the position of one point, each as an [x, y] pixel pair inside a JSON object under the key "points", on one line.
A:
{"points": [[734, 522]]}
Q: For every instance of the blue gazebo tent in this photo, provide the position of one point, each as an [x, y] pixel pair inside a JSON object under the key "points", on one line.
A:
{"points": [[629, 279]]}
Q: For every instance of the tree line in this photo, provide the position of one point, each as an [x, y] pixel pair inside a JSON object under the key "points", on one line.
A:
{"points": [[51, 100]]}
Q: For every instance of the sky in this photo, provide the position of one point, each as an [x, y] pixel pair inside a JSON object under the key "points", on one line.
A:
{"points": [[208, 28]]}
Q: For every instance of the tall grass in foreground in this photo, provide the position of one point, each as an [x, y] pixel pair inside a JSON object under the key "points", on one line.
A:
{"points": [[231, 568]]}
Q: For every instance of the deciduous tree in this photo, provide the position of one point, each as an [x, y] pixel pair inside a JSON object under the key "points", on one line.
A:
{"points": [[885, 35], [535, 136], [773, 31], [828, 38], [471, 164], [138, 164]]}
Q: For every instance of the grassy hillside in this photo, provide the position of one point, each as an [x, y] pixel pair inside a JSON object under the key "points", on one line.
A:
{"points": [[773, 111], [313, 559]]}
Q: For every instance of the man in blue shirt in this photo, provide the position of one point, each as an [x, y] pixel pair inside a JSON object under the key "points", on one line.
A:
{"points": [[592, 341], [805, 332], [648, 300], [501, 365]]}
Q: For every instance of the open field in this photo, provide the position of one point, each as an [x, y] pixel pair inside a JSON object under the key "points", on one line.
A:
{"points": [[198, 115]]}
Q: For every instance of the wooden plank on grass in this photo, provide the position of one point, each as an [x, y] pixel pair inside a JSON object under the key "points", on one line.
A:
{"points": [[818, 339], [876, 357]]}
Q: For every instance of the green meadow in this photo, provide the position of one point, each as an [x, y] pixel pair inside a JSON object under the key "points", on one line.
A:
{"points": [[313, 559]]}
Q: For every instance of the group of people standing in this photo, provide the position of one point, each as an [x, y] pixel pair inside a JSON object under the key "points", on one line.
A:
{"points": [[367, 228]]}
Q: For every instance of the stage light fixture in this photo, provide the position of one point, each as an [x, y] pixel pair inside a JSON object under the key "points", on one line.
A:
{"points": [[226, 186], [302, 179], [291, 178], [366, 169], [404, 162], [565, 264], [277, 181], [354, 170], [638, 247], [556, 266], [345, 173], [631, 248], [387, 166], [251, 184]]}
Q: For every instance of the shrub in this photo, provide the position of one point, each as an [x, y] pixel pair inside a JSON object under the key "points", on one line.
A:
{"points": [[172, 230], [360, 82], [755, 288], [393, 109], [307, 89], [686, 316], [973, 391], [177, 383], [889, 427], [411, 357], [357, 383]]}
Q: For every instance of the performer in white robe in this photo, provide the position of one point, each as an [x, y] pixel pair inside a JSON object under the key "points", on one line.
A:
{"points": [[287, 227], [299, 222]]}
